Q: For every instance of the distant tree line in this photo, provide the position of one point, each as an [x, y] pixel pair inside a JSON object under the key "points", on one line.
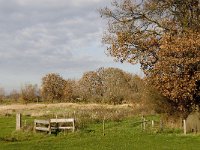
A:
{"points": [[105, 85]]}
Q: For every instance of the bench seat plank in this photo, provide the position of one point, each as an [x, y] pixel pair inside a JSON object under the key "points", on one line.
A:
{"points": [[42, 121], [62, 120], [42, 128]]}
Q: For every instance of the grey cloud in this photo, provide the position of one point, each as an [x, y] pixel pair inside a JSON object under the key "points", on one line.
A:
{"points": [[29, 12], [41, 36]]}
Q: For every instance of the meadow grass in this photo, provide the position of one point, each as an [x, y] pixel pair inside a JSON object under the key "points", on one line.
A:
{"points": [[123, 134]]}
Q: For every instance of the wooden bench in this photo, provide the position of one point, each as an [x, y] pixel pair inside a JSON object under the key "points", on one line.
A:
{"points": [[42, 125], [63, 124], [54, 125]]}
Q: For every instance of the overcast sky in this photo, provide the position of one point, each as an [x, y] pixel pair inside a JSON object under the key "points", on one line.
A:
{"points": [[42, 36]]}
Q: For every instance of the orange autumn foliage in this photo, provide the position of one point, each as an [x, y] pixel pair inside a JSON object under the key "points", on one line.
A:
{"points": [[177, 72], [163, 36]]}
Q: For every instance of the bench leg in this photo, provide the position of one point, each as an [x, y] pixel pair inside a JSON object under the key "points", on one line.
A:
{"points": [[73, 126], [34, 128], [49, 127]]}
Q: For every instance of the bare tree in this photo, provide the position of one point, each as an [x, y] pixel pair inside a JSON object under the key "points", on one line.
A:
{"points": [[29, 93], [52, 87], [2, 94]]}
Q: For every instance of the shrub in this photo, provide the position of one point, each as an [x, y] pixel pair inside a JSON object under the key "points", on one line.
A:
{"points": [[52, 88], [14, 95], [68, 91], [29, 93]]}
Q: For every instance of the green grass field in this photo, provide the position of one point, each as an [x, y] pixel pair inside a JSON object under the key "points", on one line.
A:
{"points": [[118, 135]]}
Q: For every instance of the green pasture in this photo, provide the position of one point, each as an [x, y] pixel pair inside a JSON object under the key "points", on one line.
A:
{"points": [[119, 135]]}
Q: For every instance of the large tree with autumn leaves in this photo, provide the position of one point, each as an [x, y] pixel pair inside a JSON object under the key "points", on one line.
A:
{"points": [[164, 37]]}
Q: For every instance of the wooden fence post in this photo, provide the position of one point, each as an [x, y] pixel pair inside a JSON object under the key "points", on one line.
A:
{"points": [[73, 125], [184, 127], [34, 128], [144, 124], [74, 113], [152, 123], [18, 121], [49, 126], [161, 125], [104, 126]]}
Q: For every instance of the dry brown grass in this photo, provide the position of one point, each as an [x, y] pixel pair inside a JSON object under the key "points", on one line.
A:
{"points": [[42, 109], [83, 113]]}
